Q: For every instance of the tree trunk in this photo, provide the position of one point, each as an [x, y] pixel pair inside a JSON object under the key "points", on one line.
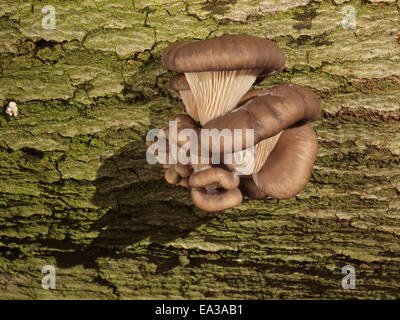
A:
{"points": [[77, 193]]}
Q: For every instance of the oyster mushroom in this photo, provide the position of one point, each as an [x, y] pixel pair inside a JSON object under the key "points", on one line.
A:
{"points": [[285, 109], [220, 71], [268, 113]]}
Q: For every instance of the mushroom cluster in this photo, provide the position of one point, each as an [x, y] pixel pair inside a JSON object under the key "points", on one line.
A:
{"points": [[214, 83]]}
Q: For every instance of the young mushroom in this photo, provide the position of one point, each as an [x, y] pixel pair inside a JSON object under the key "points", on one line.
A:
{"points": [[223, 195], [12, 109]]}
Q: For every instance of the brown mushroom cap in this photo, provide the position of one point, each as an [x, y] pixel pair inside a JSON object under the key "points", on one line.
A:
{"points": [[183, 170], [215, 199], [288, 167], [268, 114], [175, 173], [214, 175], [216, 202], [179, 83], [249, 188], [251, 94], [171, 175], [228, 52], [184, 121]]}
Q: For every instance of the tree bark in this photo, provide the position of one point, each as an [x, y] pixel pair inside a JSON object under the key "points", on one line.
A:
{"points": [[77, 193]]}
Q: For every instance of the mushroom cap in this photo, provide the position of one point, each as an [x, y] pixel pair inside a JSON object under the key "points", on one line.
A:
{"points": [[251, 94], [219, 199], [288, 168], [228, 52], [214, 175], [175, 173], [267, 113], [216, 202], [250, 189], [179, 83]]}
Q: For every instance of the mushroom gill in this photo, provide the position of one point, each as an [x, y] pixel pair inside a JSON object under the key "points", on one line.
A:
{"points": [[179, 85], [218, 92]]}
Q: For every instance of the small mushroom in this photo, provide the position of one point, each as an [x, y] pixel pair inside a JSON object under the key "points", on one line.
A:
{"points": [[12, 109], [215, 189], [176, 172], [171, 175]]}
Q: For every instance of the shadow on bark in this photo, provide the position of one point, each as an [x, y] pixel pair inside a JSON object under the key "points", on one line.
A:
{"points": [[139, 204], [139, 208]]}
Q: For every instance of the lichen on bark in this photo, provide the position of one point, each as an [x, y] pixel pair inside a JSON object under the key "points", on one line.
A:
{"points": [[76, 191]]}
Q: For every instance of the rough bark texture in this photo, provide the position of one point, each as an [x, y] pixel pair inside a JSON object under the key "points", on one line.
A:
{"points": [[76, 191]]}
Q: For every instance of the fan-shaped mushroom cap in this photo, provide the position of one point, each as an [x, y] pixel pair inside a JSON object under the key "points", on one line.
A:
{"points": [[268, 114], [228, 52], [221, 70], [288, 167], [251, 94], [179, 83], [215, 199]]}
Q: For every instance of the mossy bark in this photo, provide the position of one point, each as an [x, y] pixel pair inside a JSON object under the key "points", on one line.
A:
{"points": [[76, 191]]}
